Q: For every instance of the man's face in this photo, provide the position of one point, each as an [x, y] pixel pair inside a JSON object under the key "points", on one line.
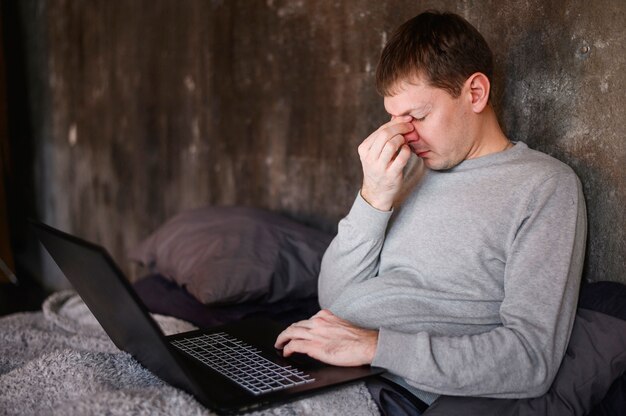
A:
{"points": [[441, 135]]}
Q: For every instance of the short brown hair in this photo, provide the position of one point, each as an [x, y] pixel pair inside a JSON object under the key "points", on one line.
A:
{"points": [[442, 47]]}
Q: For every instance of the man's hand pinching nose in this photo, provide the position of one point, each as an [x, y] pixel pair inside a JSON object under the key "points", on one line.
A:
{"points": [[384, 154]]}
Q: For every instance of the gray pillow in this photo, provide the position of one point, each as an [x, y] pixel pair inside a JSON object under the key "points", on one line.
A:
{"points": [[236, 254], [595, 357]]}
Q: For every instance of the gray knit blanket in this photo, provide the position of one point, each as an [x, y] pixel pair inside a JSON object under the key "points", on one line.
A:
{"points": [[60, 362]]}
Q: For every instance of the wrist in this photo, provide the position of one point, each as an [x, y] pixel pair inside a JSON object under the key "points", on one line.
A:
{"points": [[372, 345], [380, 204]]}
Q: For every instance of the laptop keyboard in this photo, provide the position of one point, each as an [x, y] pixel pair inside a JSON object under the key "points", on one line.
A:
{"points": [[241, 362]]}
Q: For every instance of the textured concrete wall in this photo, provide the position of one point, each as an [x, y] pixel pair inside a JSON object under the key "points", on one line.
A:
{"points": [[148, 107]]}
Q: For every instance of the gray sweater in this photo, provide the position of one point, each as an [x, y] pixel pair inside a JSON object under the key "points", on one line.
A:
{"points": [[472, 280]]}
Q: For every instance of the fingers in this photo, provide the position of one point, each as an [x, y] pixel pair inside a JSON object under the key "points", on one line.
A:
{"points": [[330, 339], [398, 125], [396, 120], [383, 156], [289, 335], [387, 135], [292, 332], [391, 148], [373, 146], [356, 347], [401, 159], [302, 329], [307, 347]]}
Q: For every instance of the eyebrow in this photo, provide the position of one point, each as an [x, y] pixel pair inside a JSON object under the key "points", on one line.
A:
{"points": [[424, 108]]}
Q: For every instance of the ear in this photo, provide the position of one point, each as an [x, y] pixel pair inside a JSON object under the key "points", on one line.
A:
{"points": [[479, 87]]}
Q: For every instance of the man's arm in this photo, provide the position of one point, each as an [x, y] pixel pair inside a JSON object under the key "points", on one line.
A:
{"points": [[353, 255], [521, 358]]}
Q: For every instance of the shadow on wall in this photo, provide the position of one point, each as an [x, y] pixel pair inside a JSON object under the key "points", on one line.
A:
{"points": [[546, 102]]}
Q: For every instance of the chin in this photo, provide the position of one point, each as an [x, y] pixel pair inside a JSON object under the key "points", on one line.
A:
{"points": [[438, 165]]}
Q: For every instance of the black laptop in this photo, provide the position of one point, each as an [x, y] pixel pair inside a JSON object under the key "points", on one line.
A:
{"points": [[231, 369]]}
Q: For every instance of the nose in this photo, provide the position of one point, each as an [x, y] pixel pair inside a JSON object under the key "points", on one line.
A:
{"points": [[412, 136]]}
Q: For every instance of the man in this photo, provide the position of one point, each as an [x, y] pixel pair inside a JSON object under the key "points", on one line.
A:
{"points": [[456, 270]]}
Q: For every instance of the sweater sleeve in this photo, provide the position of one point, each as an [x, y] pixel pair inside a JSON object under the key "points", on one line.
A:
{"points": [[542, 277], [354, 253]]}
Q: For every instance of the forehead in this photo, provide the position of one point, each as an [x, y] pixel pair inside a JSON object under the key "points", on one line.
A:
{"points": [[409, 96]]}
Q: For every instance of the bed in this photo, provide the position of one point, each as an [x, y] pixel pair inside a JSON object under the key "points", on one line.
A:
{"points": [[60, 361]]}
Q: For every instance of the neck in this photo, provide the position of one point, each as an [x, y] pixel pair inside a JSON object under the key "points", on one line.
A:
{"points": [[489, 135]]}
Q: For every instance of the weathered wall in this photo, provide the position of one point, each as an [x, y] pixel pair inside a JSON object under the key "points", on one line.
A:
{"points": [[148, 107]]}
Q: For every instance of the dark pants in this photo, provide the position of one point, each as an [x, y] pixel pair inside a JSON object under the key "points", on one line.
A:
{"points": [[394, 400]]}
